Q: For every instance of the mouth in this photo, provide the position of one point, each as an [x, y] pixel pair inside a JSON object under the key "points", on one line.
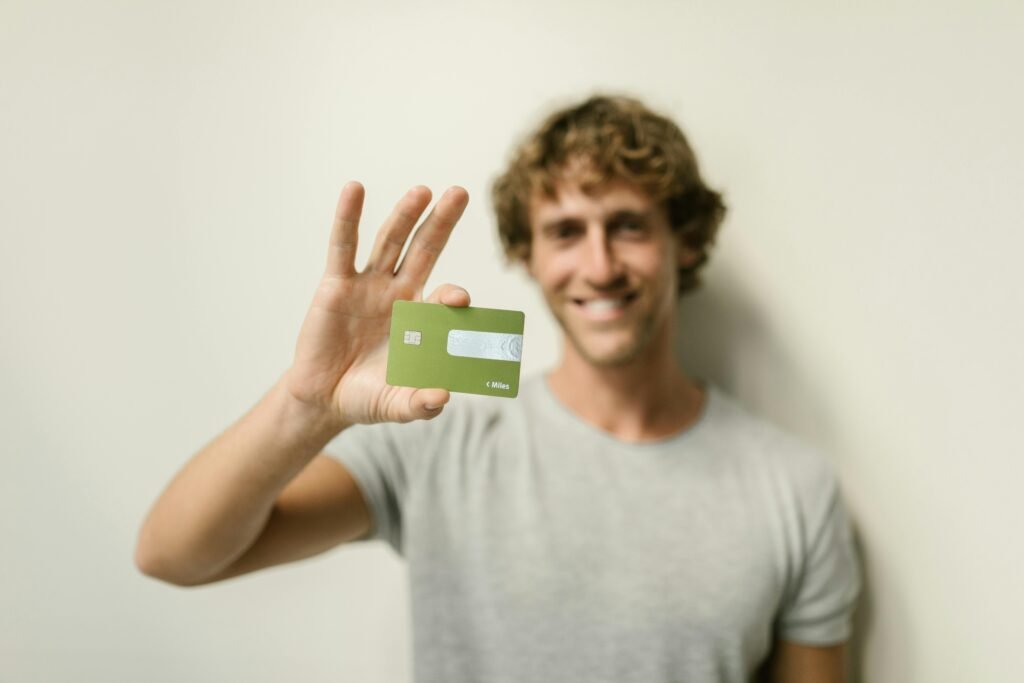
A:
{"points": [[604, 307]]}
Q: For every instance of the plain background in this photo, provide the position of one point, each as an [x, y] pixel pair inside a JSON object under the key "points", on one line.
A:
{"points": [[169, 172]]}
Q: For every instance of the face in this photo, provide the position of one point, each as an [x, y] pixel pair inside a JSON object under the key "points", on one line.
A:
{"points": [[607, 262]]}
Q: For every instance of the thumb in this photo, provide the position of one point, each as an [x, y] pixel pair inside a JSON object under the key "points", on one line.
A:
{"points": [[427, 403], [449, 295]]}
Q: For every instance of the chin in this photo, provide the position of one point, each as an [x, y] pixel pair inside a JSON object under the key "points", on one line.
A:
{"points": [[610, 361], [608, 356]]}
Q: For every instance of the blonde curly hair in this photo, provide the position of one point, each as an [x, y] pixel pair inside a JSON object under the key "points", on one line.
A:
{"points": [[609, 138]]}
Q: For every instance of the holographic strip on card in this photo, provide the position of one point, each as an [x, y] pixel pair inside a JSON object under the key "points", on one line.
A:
{"points": [[485, 345]]}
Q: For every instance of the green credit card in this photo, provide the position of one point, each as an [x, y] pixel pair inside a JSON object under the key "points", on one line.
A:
{"points": [[470, 350]]}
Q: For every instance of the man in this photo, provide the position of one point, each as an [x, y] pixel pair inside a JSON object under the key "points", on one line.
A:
{"points": [[618, 521]]}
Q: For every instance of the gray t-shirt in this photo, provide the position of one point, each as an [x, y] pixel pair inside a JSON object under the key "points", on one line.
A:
{"points": [[540, 548]]}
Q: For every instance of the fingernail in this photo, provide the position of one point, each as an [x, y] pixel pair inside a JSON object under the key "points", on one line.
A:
{"points": [[432, 408]]}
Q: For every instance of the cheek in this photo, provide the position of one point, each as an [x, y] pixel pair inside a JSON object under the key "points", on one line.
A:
{"points": [[551, 269], [650, 261]]}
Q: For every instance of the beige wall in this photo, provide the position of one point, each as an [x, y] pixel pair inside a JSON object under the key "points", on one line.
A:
{"points": [[168, 173]]}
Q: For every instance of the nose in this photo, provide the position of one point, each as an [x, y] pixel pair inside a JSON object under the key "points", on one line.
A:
{"points": [[601, 267]]}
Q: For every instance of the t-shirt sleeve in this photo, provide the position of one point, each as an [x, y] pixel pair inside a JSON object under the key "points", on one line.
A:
{"points": [[819, 605], [392, 463], [378, 458]]}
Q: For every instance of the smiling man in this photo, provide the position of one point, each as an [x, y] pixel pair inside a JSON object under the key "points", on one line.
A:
{"points": [[618, 521]]}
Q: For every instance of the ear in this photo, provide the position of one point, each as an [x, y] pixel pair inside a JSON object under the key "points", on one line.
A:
{"points": [[526, 263], [687, 256]]}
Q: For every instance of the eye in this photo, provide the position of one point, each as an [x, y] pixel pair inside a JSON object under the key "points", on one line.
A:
{"points": [[563, 232], [630, 226]]}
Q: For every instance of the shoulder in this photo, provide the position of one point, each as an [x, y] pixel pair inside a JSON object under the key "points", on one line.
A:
{"points": [[794, 466], [799, 488]]}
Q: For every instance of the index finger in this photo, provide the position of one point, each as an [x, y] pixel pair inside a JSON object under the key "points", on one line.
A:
{"points": [[341, 252], [431, 236]]}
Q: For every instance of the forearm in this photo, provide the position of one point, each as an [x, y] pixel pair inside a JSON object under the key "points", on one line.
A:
{"points": [[217, 505]]}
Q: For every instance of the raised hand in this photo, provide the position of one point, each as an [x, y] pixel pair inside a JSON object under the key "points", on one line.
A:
{"points": [[341, 353]]}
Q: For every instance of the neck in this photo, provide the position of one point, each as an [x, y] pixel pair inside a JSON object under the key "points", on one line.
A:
{"points": [[648, 398]]}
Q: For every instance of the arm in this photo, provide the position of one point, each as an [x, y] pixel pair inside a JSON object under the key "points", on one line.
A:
{"points": [[258, 494], [795, 663]]}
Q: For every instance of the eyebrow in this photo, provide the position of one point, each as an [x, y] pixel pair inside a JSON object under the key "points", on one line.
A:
{"points": [[630, 213], [568, 221]]}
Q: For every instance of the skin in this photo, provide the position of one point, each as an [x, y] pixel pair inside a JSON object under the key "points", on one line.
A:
{"points": [[263, 493], [797, 663], [614, 244]]}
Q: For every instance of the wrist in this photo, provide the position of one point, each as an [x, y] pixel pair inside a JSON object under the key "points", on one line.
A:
{"points": [[305, 419]]}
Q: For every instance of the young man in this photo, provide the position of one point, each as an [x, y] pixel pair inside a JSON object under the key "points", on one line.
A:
{"points": [[618, 521]]}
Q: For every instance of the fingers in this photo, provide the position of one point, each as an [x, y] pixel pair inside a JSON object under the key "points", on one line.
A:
{"points": [[431, 237], [427, 403], [426, 245], [341, 252], [393, 234], [449, 295]]}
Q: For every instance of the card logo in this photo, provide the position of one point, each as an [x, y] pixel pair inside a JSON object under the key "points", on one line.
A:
{"points": [[494, 384]]}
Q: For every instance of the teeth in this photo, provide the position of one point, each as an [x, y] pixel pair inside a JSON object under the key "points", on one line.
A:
{"points": [[604, 304]]}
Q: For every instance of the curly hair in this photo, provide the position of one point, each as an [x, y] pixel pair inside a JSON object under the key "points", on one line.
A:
{"points": [[602, 139]]}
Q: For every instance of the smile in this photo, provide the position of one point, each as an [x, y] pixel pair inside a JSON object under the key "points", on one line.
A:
{"points": [[605, 308]]}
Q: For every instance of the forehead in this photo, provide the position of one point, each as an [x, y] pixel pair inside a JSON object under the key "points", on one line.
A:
{"points": [[570, 201]]}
